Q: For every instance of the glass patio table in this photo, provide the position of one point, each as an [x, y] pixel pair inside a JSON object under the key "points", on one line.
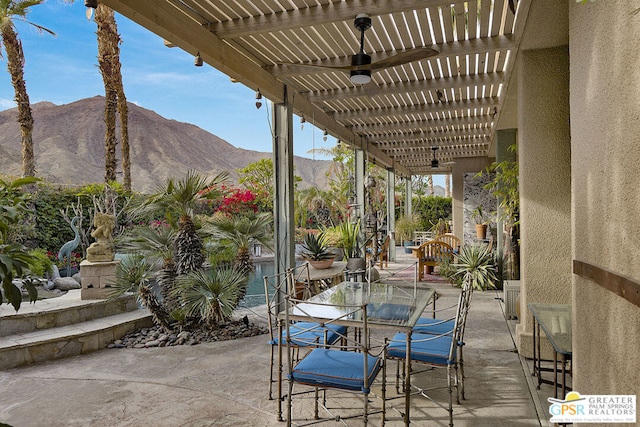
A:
{"points": [[555, 322], [395, 307]]}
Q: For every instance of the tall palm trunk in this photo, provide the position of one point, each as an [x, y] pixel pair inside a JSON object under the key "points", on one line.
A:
{"points": [[15, 64], [430, 184], [447, 185], [110, 67], [167, 280], [188, 248]]}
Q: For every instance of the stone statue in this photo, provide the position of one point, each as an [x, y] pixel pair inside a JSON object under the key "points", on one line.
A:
{"points": [[102, 249]]}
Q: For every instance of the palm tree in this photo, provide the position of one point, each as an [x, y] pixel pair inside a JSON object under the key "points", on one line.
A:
{"points": [[447, 185], [133, 274], [210, 295], [179, 198], [156, 244], [241, 232], [110, 68], [11, 11]]}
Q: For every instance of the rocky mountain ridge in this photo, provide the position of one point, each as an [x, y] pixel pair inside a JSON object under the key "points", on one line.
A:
{"points": [[69, 147]]}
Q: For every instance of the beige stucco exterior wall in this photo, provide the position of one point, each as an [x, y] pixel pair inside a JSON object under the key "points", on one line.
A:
{"points": [[605, 128], [545, 183]]}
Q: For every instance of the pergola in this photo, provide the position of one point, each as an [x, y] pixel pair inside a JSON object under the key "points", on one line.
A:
{"points": [[439, 75], [451, 100]]}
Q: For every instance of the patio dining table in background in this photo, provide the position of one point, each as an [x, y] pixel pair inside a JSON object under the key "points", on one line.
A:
{"points": [[395, 307]]}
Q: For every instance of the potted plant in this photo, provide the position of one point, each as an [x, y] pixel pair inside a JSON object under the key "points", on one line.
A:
{"points": [[479, 216], [349, 235], [316, 251], [405, 226]]}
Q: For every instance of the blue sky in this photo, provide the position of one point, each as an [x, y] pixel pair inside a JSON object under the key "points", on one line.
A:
{"points": [[64, 69]]}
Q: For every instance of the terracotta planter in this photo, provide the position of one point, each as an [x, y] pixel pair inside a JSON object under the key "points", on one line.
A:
{"points": [[481, 231], [322, 264]]}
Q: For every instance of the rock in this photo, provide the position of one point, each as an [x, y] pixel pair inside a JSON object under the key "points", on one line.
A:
{"points": [[184, 335], [77, 277], [55, 273], [157, 336], [49, 285], [66, 283]]}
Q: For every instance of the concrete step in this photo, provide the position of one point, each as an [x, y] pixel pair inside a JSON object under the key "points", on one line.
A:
{"points": [[69, 340], [65, 310]]}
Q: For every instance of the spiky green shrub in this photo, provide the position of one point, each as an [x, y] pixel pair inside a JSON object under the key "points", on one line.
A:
{"points": [[315, 248], [210, 295], [134, 274], [476, 263]]}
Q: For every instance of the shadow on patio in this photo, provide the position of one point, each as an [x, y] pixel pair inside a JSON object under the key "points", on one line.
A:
{"points": [[226, 383]]}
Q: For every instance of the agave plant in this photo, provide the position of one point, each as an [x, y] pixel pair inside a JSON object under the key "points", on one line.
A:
{"points": [[476, 263], [210, 295], [315, 248]]}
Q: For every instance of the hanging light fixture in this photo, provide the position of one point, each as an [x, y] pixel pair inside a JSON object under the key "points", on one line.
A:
{"points": [[302, 121], [324, 135], [91, 5], [198, 60], [258, 99]]}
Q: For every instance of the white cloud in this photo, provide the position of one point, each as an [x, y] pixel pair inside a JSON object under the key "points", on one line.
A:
{"points": [[6, 104]]}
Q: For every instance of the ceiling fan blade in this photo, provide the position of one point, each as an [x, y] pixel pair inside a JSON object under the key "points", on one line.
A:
{"points": [[404, 57], [401, 58]]}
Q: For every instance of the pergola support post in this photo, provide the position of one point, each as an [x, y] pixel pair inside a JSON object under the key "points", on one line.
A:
{"points": [[284, 256], [391, 213]]}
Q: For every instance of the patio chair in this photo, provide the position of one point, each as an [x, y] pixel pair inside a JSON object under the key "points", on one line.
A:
{"points": [[351, 366], [437, 352], [276, 287], [442, 325]]}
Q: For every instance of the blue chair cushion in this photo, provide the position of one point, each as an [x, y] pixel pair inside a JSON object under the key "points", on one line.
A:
{"points": [[309, 334], [387, 311], [434, 350], [433, 326], [333, 368]]}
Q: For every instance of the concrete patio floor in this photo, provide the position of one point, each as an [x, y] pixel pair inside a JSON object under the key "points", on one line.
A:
{"points": [[226, 383]]}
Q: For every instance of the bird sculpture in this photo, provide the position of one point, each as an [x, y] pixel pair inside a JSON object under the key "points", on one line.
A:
{"points": [[71, 245]]}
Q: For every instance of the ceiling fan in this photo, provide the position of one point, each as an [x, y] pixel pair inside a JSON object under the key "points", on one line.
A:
{"points": [[435, 163], [361, 66]]}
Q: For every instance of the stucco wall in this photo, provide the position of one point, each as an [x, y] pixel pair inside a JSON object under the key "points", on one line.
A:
{"points": [[605, 128], [544, 150]]}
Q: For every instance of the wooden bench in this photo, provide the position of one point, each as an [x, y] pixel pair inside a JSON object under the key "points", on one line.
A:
{"points": [[451, 240], [431, 254]]}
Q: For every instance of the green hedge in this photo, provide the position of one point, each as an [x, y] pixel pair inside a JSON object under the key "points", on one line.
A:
{"points": [[431, 208]]}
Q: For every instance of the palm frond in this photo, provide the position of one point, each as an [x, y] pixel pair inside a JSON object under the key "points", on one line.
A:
{"points": [[210, 295]]}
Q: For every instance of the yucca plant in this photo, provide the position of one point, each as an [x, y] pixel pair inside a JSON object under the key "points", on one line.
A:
{"points": [[315, 248], [210, 295], [476, 263]]}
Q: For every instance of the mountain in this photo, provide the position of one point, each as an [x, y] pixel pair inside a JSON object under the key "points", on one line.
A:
{"points": [[69, 147]]}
